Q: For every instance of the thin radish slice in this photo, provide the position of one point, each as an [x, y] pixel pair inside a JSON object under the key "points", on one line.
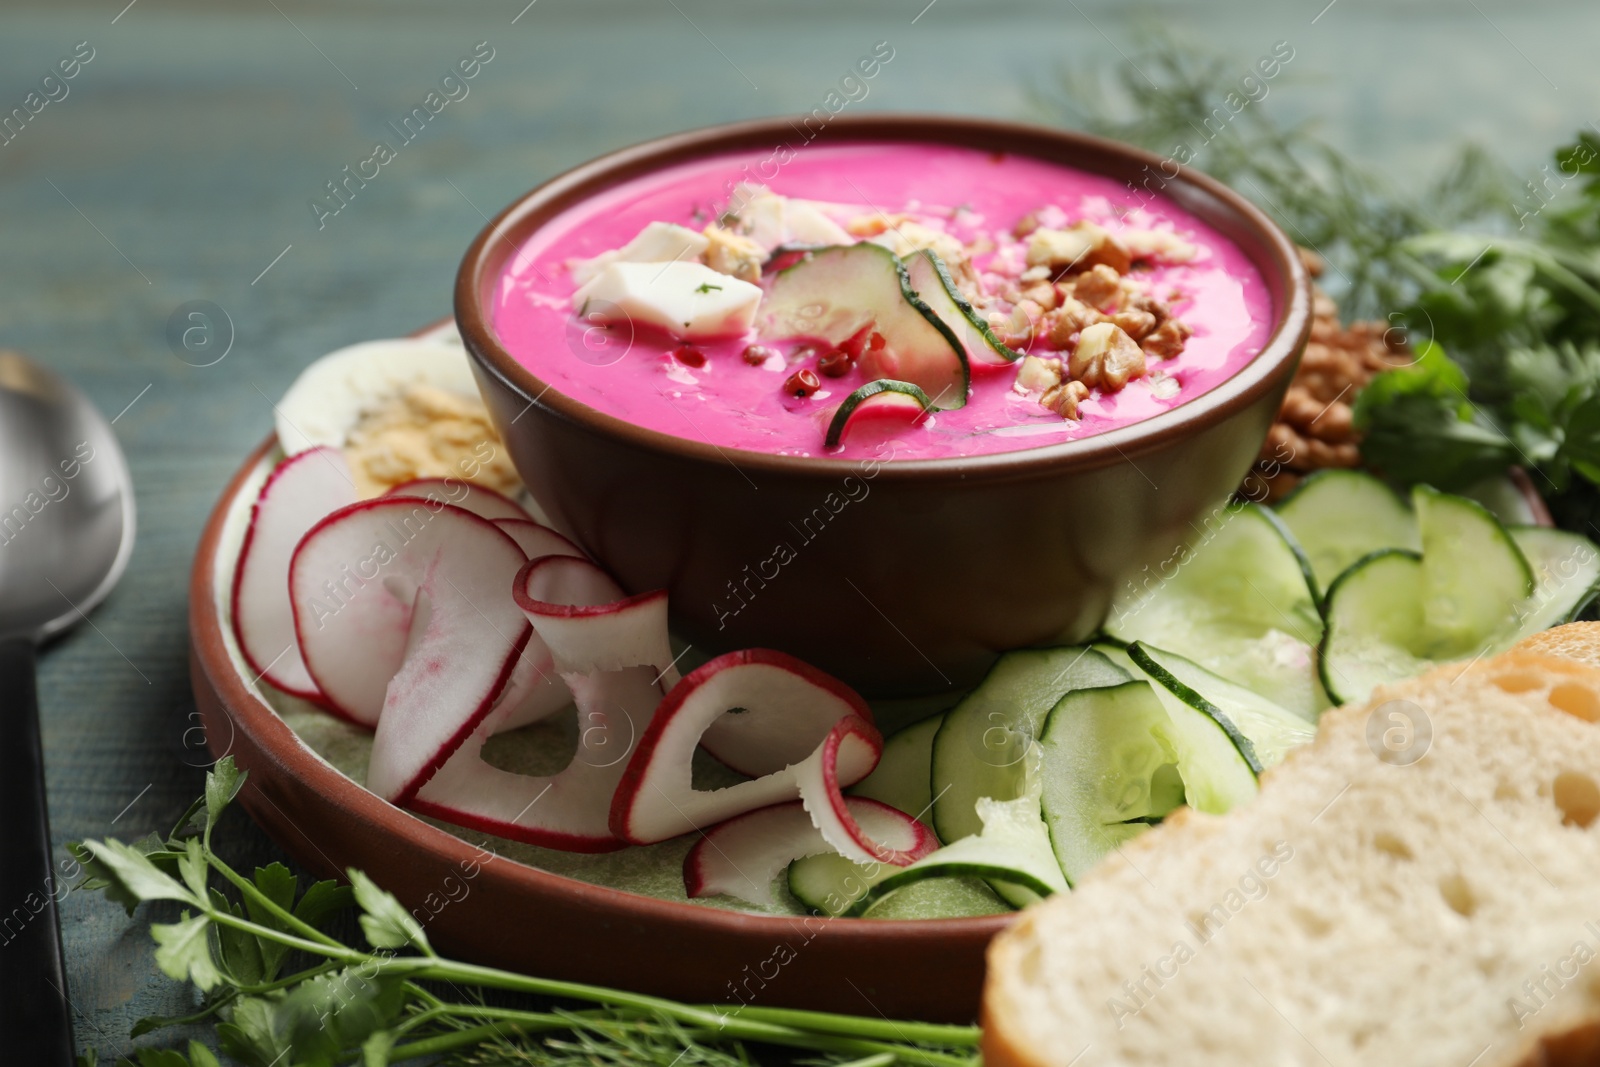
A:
{"points": [[533, 692], [741, 857], [820, 777], [482, 502], [656, 798], [770, 734], [354, 580], [587, 622], [536, 539], [568, 810], [304, 488]]}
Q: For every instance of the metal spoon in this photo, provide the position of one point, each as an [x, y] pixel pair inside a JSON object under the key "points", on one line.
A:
{"points": [[66, 531]]}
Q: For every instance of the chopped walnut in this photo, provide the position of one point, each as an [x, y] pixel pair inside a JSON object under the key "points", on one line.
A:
{"points": [[1036, 375], [1136, 324], [1077, 248], [1034, 274], [733, 253], [1025, 225], [1168, 339], [1065, 398], [1162, 246], [1100, 287], [1044, 294], [1106, 357], [1068, 320]]}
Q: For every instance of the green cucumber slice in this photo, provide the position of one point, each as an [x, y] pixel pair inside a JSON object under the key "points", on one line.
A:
{"points": [[884, 396], [932, 282], [940, 898], [1262, 731], [1242, 602], [985, 745], [1374, 625], [1118, 654], [1012, 851], [1109, 756], [835, 292], [831, 885], [1504, 500], [1566, 572], [1473, 575], [902, 779], [1338, 516]]}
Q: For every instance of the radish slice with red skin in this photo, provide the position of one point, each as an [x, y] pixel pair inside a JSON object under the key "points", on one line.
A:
{"points": [[741, 857], [656, 798], [588, 623], [615, 702], [820, 778], [298, 493], [768, 737], [536, 539], [485, 503], [354, 579]]}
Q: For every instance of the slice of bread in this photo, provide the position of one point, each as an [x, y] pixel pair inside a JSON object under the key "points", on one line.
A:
{"points": [[1366, 908], [1576, 641]]}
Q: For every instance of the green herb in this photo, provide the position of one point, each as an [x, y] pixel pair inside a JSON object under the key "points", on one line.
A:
{"points": [[706, 287], [1496, 281], [235, 936]]}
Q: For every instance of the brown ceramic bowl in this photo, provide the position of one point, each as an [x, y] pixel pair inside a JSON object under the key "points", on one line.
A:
{"points": [[948, 561], [499, 912]]}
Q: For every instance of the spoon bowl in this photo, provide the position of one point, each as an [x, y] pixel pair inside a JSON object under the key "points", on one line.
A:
{"points": [[66, 532]]}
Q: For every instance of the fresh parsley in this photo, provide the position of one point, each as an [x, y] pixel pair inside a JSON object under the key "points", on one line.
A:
{"points": [[280, 992], [706, 287]]}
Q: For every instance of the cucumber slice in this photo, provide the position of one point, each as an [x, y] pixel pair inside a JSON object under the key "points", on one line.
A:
{"points": [[903, 775], [836, 292], [1242, 603], [884, 398], [940, 898], [1474, 576], [1566, 572], [983, 748], [1118, 654], [829, 884], [1504, 500], [1012, 851], [1108, 758], [1261, 730], [932, 282], [1374, 625], [1338, 516]]}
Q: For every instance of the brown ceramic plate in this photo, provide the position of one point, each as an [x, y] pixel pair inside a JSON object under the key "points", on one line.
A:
{"points": [[507, 914]]}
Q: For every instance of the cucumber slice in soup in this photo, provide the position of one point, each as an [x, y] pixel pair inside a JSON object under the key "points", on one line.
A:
{"points": [[1474, 577], [885, 398], [829, 884], [985, 744], [1242, 603], [1338, 516], [1374, 625], [932, 282], [1566, 571], [901, 778], [1110, 756], [836, 292], [939, 898], [1261, 730]]}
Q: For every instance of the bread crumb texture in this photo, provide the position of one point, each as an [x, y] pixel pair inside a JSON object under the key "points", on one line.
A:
{"points": [[1446, 911]]}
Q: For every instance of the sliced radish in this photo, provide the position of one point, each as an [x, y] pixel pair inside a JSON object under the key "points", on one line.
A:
{"points": [[303, 489], [881, 403], [463, 494], [770, 734], [536, 539], [355, 578], [533, 692], [821, 778], [615, 701], [587, 622], [741, 857], [656, 798]]}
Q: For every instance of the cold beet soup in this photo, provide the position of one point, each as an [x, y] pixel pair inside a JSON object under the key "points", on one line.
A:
{"points": [[954, 301]]}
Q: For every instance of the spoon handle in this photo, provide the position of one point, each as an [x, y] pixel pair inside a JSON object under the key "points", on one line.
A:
{"points": [[33, 985]]}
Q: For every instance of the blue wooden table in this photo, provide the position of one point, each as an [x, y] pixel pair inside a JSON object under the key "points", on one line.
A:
{"points": [[182, 160]]}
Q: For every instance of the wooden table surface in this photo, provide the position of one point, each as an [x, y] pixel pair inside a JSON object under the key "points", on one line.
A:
{"points": [[183, 160]]}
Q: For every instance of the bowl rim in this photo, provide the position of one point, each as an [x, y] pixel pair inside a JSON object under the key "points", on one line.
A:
{"points": [[265, 730], [481, 265]]}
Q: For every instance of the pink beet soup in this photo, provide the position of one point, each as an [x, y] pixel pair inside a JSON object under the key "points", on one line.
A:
{"points": [[708, 391]]}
